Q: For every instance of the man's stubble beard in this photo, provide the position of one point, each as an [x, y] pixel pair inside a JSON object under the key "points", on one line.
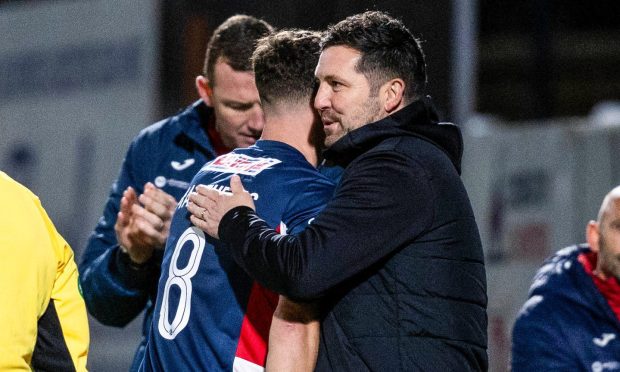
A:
{"points": [[611, 264]]}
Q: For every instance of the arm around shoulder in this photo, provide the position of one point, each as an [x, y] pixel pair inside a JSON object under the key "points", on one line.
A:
{"points": [[383, 202]]}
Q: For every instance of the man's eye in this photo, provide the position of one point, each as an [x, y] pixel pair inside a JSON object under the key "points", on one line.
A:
{"points": [[239, 107]]}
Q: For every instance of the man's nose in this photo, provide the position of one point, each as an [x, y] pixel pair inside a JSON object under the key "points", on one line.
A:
{"points": [[322, 98], [256, 121]]}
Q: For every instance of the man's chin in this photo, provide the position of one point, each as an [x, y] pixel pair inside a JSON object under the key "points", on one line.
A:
{"points": [[247, 142], [330, 140]]}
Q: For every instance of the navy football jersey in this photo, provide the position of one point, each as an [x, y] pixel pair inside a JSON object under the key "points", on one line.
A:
{"points": [[210, 315]]}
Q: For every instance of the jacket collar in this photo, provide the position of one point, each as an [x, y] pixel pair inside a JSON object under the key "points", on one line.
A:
{"points": [[192, 122], [418, 119]]}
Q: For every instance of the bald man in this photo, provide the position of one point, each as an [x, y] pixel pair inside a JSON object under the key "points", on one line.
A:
{"points": [[571, 321]]}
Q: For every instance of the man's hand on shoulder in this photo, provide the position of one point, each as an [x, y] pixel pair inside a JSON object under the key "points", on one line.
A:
{"points": [[143, 222], [208, 206]]}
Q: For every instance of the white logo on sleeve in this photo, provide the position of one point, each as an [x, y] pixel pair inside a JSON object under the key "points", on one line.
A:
{"points": [[160, 181], [605, 366], [180, 166], [604, 339]]}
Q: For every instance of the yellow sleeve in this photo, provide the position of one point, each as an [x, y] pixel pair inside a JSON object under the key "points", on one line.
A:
{"points": [[38, 279], [68, 300]]}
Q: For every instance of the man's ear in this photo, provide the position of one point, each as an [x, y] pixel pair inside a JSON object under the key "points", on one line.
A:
{"points": [[392, 93], [204, 90], [593, 235]]}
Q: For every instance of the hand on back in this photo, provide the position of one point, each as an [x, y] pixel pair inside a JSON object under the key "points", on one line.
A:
{"points": [[208, 206]]}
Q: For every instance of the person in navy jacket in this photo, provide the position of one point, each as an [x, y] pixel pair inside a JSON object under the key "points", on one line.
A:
{"points": [[571, 321], [121, 263], [395, 257]]}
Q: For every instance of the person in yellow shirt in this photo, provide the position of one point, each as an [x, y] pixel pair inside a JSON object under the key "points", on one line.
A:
{"points": [[43, 316]]}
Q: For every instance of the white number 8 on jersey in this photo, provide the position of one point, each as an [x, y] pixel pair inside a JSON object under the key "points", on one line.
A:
{"points": [[181, 277]]}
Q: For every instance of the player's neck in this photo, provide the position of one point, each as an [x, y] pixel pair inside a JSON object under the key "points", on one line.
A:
{"points": [[293, 127]]}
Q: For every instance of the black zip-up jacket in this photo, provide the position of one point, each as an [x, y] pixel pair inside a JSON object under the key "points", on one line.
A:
{"points": [[395, 256]]}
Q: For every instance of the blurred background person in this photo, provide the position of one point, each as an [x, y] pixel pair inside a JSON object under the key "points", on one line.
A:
{"points": [[571, 321], [121, 263], [45, 327]]}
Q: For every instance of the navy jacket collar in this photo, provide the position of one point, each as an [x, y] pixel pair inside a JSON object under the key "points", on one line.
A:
{"points": [[194, 124]]}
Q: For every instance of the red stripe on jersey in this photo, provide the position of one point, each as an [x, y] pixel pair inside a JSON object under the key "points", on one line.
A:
{"points": [[255, 327], [282, 229]]}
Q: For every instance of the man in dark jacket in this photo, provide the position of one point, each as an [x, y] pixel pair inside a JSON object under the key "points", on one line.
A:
{"points": [[121, 264], [571, 321], [395, 257]]}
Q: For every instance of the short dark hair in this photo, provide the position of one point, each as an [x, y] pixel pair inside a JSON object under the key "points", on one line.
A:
{"points": [[284, 64], [234, 41], [388, 50]]}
